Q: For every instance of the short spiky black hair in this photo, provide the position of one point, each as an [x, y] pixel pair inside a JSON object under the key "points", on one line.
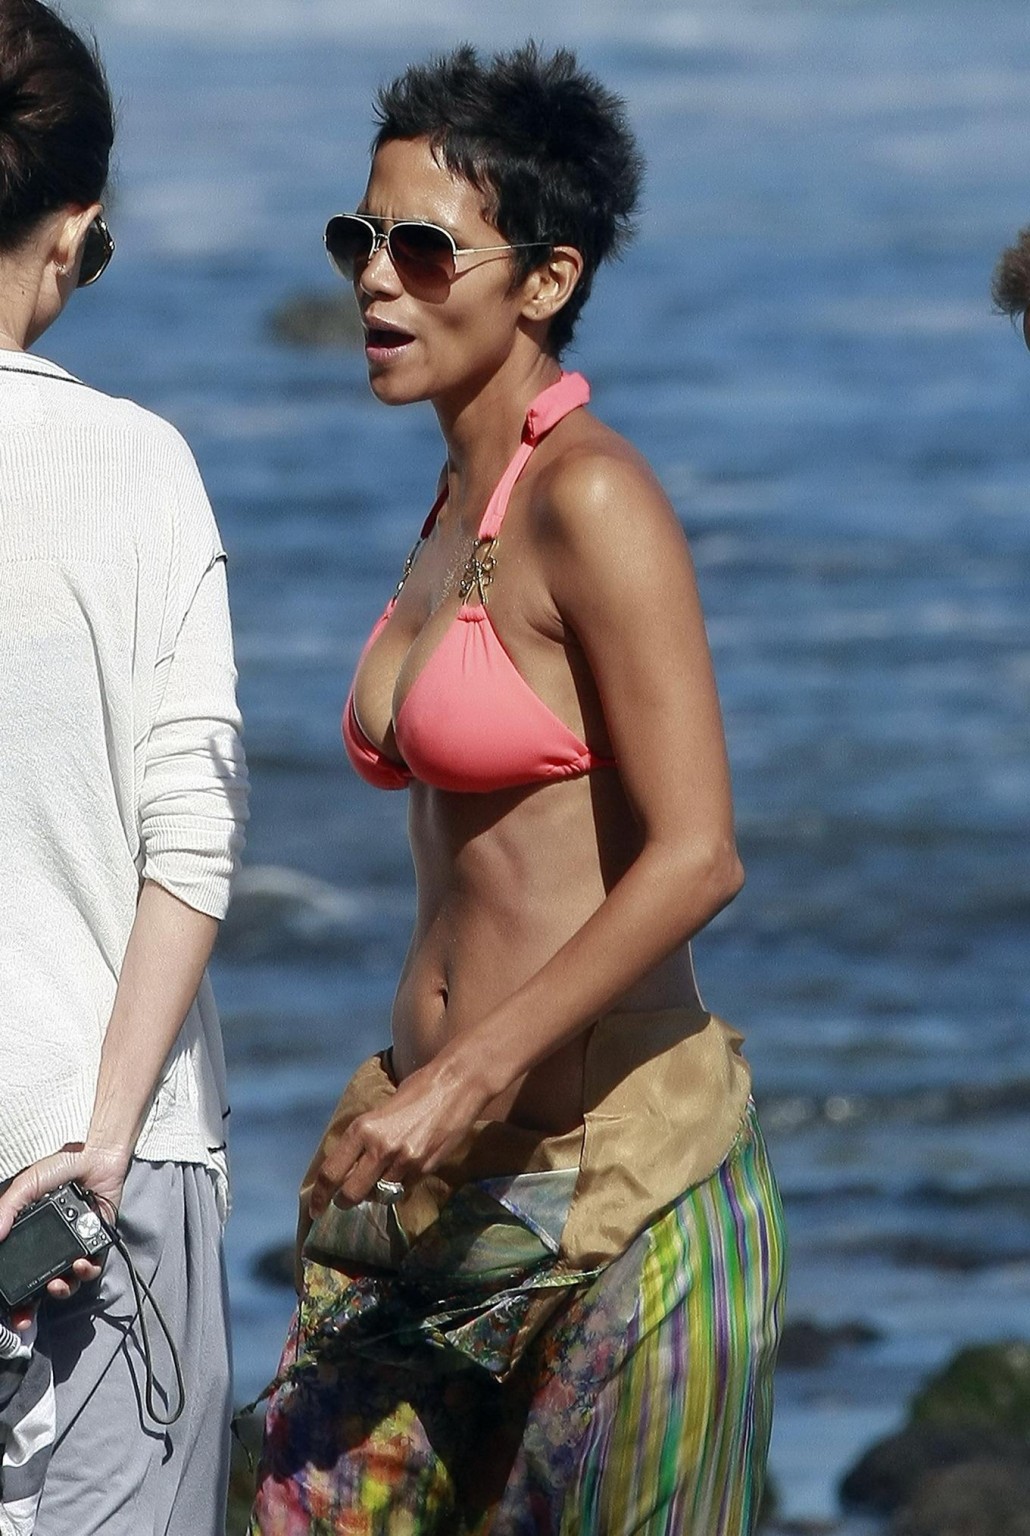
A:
{"points": [[545, 143]]}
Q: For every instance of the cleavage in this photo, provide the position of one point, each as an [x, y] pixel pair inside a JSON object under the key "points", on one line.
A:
{"points": [[389, 668]]}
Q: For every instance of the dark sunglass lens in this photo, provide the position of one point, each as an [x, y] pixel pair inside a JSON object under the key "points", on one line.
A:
{"points": [[97, 249], [349, 243], [422, 248]]}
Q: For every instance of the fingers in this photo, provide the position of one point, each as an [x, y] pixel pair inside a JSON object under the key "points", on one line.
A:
{"points": [[33, 1182], [397, 1143], [82, 1272], [343, 1183], [100, 1170], [21, 1191], [86, 1271], [363, 1155]]}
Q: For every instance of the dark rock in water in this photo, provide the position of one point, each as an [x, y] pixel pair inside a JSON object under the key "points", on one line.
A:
{"points": [[275, 1265], [886, 1477], [986, 1385], [969, 1428], [805, 1345], [913, 1251], [978, 1498], [800, 1528], [1011, 1197], [318, 320]]}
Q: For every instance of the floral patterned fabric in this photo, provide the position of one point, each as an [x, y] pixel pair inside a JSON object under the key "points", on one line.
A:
{"points": [[470, 1385]]}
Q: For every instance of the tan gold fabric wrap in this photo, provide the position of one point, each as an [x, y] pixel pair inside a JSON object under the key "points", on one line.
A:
{"points": [[664, 1097]]}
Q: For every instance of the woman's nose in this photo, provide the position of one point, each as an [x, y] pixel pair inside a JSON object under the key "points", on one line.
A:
{"points": [[379, 275]]}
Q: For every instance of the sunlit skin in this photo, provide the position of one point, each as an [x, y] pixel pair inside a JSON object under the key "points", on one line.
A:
{"points": [[538, 908], [38, 278]]}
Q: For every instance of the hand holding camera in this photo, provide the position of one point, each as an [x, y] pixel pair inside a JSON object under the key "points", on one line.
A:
{"points": [[48, 1239], [50, 1214]]}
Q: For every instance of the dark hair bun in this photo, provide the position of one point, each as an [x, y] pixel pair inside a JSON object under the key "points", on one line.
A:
{"points": [[11, 97], [56, 119]]}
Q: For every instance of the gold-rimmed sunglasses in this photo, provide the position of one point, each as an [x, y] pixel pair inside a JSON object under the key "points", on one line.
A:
{"points": [[419, 251], [97, 250]]}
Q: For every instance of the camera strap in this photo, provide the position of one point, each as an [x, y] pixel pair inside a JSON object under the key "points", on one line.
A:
{"points": [[12, 1344], [142, 1292]]}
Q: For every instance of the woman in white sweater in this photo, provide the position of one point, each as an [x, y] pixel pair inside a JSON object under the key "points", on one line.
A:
{"points": [[122, 798]]}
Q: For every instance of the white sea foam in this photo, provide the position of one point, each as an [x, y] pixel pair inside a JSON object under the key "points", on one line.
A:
{"points": [[898, 315]]}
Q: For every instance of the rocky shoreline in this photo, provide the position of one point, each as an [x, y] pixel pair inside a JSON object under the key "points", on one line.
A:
{"points": [[960, 1464]]}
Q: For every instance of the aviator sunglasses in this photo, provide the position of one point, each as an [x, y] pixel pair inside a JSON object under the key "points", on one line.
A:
{"points": [[418, 250], [97, 250]]}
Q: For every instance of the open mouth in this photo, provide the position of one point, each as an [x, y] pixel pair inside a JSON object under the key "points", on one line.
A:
{"points": [[378, 338]]}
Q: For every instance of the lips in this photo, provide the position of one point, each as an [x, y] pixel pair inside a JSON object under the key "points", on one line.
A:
{"points": [[381, 336]]}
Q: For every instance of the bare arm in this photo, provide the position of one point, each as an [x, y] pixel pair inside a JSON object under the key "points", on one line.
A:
{"points": [[169, 946], [621, 578]]}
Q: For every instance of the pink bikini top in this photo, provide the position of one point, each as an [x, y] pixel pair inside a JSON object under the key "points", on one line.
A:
{"points": [[470, 722]]}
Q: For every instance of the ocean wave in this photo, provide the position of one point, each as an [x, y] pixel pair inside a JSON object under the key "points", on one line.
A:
{"points": [[277, 913], [851, 834], [942, 1104]]}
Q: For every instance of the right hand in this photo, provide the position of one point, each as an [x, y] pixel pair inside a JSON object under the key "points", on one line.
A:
{"points": [[101, 1170]]}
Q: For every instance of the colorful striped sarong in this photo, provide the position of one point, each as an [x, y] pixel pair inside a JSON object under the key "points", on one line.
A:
{"points": [[643, 1405]]}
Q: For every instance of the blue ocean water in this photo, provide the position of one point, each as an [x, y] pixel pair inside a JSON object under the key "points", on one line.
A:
{"points": [[801, 342]]}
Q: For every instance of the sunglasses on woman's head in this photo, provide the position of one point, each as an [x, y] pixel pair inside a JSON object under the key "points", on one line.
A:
{"points": [[97, 250], [418, 250]]}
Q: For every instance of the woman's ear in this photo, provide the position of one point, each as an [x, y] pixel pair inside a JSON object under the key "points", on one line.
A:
{"points": [[69, 232], [548, 286]]}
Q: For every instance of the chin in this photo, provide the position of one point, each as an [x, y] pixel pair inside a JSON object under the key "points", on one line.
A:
{"points": [[390, 389]]}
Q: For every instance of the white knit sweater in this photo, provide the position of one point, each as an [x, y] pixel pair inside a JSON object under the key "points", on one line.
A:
{"points": [[120, 754]]}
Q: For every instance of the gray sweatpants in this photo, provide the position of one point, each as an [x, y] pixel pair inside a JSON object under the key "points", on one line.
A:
{"points": [[112, 1470]]}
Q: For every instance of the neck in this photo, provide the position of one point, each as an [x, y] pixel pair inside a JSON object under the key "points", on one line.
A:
{"points": [[483, 427], [21, 282], [13, 337]]}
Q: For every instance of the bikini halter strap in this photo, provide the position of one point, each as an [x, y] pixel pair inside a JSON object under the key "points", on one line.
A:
{"points": [[551, 405]]}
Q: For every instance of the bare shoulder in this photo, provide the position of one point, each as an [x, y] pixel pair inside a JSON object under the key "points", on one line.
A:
{"points": [[598, 496]]}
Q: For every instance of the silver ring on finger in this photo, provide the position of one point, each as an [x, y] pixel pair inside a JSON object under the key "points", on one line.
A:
{"points": [[388, 1191]]}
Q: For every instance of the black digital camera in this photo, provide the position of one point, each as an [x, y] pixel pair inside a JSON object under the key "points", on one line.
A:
{"points": [[46, 1239]]}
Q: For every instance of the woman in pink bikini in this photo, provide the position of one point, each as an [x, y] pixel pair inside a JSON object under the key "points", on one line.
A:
{"points": [[541, 1247]]}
